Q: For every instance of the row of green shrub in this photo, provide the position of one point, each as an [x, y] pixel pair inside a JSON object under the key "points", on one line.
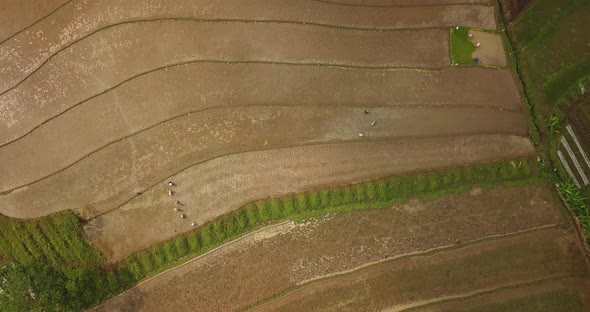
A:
{"points": [[76, 278], [369, 195]]}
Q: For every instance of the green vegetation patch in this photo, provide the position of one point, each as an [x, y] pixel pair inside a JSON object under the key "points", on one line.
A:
{"points": [[56, 240], [539, 18], [560, 84], [576, 200], [49, 259], [461, 47], [553, 58], [76, 278]]}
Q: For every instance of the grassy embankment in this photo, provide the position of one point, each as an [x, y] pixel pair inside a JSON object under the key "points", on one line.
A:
{"points": [[50, 256], [552, 55]]}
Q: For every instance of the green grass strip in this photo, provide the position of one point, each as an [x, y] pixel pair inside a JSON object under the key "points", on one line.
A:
{"points": [[461, 48]]}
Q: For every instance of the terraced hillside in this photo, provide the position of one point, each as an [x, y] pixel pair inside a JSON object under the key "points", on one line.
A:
{"points": [[172, 127]]}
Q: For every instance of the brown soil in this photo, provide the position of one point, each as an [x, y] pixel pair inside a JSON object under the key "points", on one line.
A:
{"points": [[91, 67], [555, 295], [20, 14], [399, 284], [149, 156], [163, 95], [225, 184], [255, 268], [491, 51], [74, 21]]}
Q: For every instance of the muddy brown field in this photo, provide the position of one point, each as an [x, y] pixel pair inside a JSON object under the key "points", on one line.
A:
{"points": [[103, 102], [426, 252], [18, 15], [491, 52], [90, 67], [77, 20], [138, 106]]}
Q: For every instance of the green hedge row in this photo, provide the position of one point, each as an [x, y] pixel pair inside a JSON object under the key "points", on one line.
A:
{"points": [[368, 195], [77, 279]]}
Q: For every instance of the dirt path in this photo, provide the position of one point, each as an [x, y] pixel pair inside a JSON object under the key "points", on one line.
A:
{"points": [[26, 52], [17, 15], [257, 269], [93, 66], [137, 107], [225, 184]]}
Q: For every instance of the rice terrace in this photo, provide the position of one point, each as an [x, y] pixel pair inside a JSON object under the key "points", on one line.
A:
{"points": [[294, 155]]}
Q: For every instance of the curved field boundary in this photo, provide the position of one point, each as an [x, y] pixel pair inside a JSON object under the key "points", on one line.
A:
{"points": [[141, 105], [473, 90], [186, 283], [216, 131], [366, 266], [44, 156], [208, 191], [97, 186], [91, 65], [76, 22], [12, 29], [542, 246], [539, 292]]}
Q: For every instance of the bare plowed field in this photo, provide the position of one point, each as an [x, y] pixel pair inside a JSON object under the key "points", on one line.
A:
{"points": [[262, 265], [279, 108], [20, 14], [98, 183], [91, 67], [26, 52], [398, 284], [198, 86], [134, 110], [225, 184], [554, 295], [151, 155]]}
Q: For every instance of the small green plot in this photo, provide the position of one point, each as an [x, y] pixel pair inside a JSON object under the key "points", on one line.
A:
{"points": [[461, 48]]}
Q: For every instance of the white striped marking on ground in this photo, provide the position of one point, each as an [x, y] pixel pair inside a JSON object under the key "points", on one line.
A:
{"points": [[568, 169], [571, 132], [574, 159]]}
